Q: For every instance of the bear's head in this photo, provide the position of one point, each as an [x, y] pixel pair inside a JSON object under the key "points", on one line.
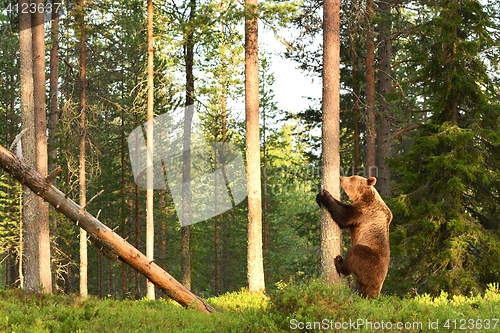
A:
{"points": [[356, 186]]}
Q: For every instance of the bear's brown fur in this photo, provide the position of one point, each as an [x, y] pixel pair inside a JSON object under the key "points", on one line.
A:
{"points": [[368, 219]]}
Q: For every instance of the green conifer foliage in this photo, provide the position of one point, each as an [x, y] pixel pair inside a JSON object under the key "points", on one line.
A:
{"points": [[447, 221]]}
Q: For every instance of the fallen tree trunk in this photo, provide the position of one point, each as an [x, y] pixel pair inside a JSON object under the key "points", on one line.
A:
{"points": [[111, 243]]}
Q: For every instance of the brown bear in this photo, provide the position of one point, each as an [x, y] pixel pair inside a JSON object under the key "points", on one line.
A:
{"points": [[368, 219]]}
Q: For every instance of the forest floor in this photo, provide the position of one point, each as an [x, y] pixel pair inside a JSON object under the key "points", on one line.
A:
{"points": [[314, 307]]}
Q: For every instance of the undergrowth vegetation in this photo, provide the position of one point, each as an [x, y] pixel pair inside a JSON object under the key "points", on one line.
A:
{"points": [[312, 307]]}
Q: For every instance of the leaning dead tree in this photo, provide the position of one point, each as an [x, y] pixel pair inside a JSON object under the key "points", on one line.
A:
{"points": [[106, 239]]}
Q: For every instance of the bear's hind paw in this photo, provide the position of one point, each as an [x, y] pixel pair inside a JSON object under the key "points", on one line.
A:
{"points": [[338, 261]]}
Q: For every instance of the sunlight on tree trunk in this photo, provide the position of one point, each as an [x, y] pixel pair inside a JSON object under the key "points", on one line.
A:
{"points": [[149, 141], [255, 261], [371, 132], [39, 96], [82, 156], [330, 232], [186, 157], [34, 145], [29, 279]]}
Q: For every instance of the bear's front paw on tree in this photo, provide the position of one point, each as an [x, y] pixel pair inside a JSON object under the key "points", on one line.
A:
{"points": [[321, 197]]}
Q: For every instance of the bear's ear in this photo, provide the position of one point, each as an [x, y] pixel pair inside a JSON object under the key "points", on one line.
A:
{"points": [[371, 181]]}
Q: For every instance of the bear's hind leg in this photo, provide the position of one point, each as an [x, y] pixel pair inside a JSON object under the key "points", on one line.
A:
{"points": [[367, 290], [365, 264]]}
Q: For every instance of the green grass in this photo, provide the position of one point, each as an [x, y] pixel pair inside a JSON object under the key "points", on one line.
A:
{"points": [[312, 307]]}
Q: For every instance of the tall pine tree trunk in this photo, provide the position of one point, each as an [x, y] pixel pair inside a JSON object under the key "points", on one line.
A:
{"points": [[39, 96], [223, 112], [149, 142], [125, 210], [29, 278], [186, 157], [370, 165], [137, 222], [356, 89], [53, 99], [82, 153], [36, 238], [255, 263], [384, 136], [53, 109], [330, 232]]}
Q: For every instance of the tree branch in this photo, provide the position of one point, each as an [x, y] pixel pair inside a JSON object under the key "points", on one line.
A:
{"points": [[404, 130]]}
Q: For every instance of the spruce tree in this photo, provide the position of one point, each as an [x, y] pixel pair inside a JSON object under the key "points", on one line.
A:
{"points": [[448, 179]]}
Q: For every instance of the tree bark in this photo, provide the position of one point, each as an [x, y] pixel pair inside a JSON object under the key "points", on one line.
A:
{"points": [[371, 132], [36, 240], [39, 96], [53, 118], [384, 137], [124, 212], [82, 152], [330, 232], [355, 110], [149, 142], [53, 92], [30, 279], [255, 263], [186, 156], [108, 241]]}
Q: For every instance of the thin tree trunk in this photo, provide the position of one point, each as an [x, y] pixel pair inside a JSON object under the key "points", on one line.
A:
{"points": [[163, 248], [30, 279], [150, 156], [355, 109], [13, 251], [112, 245], [137, 223], [384, 89], [223, 112], [186, 156], [370, 165], [39, 96], [222, 238], [255, 263], [54, 100], [82, 153], [54, 107], [99, 275], [216, 223], [123, 209], [265, 220], [330, 232]]}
